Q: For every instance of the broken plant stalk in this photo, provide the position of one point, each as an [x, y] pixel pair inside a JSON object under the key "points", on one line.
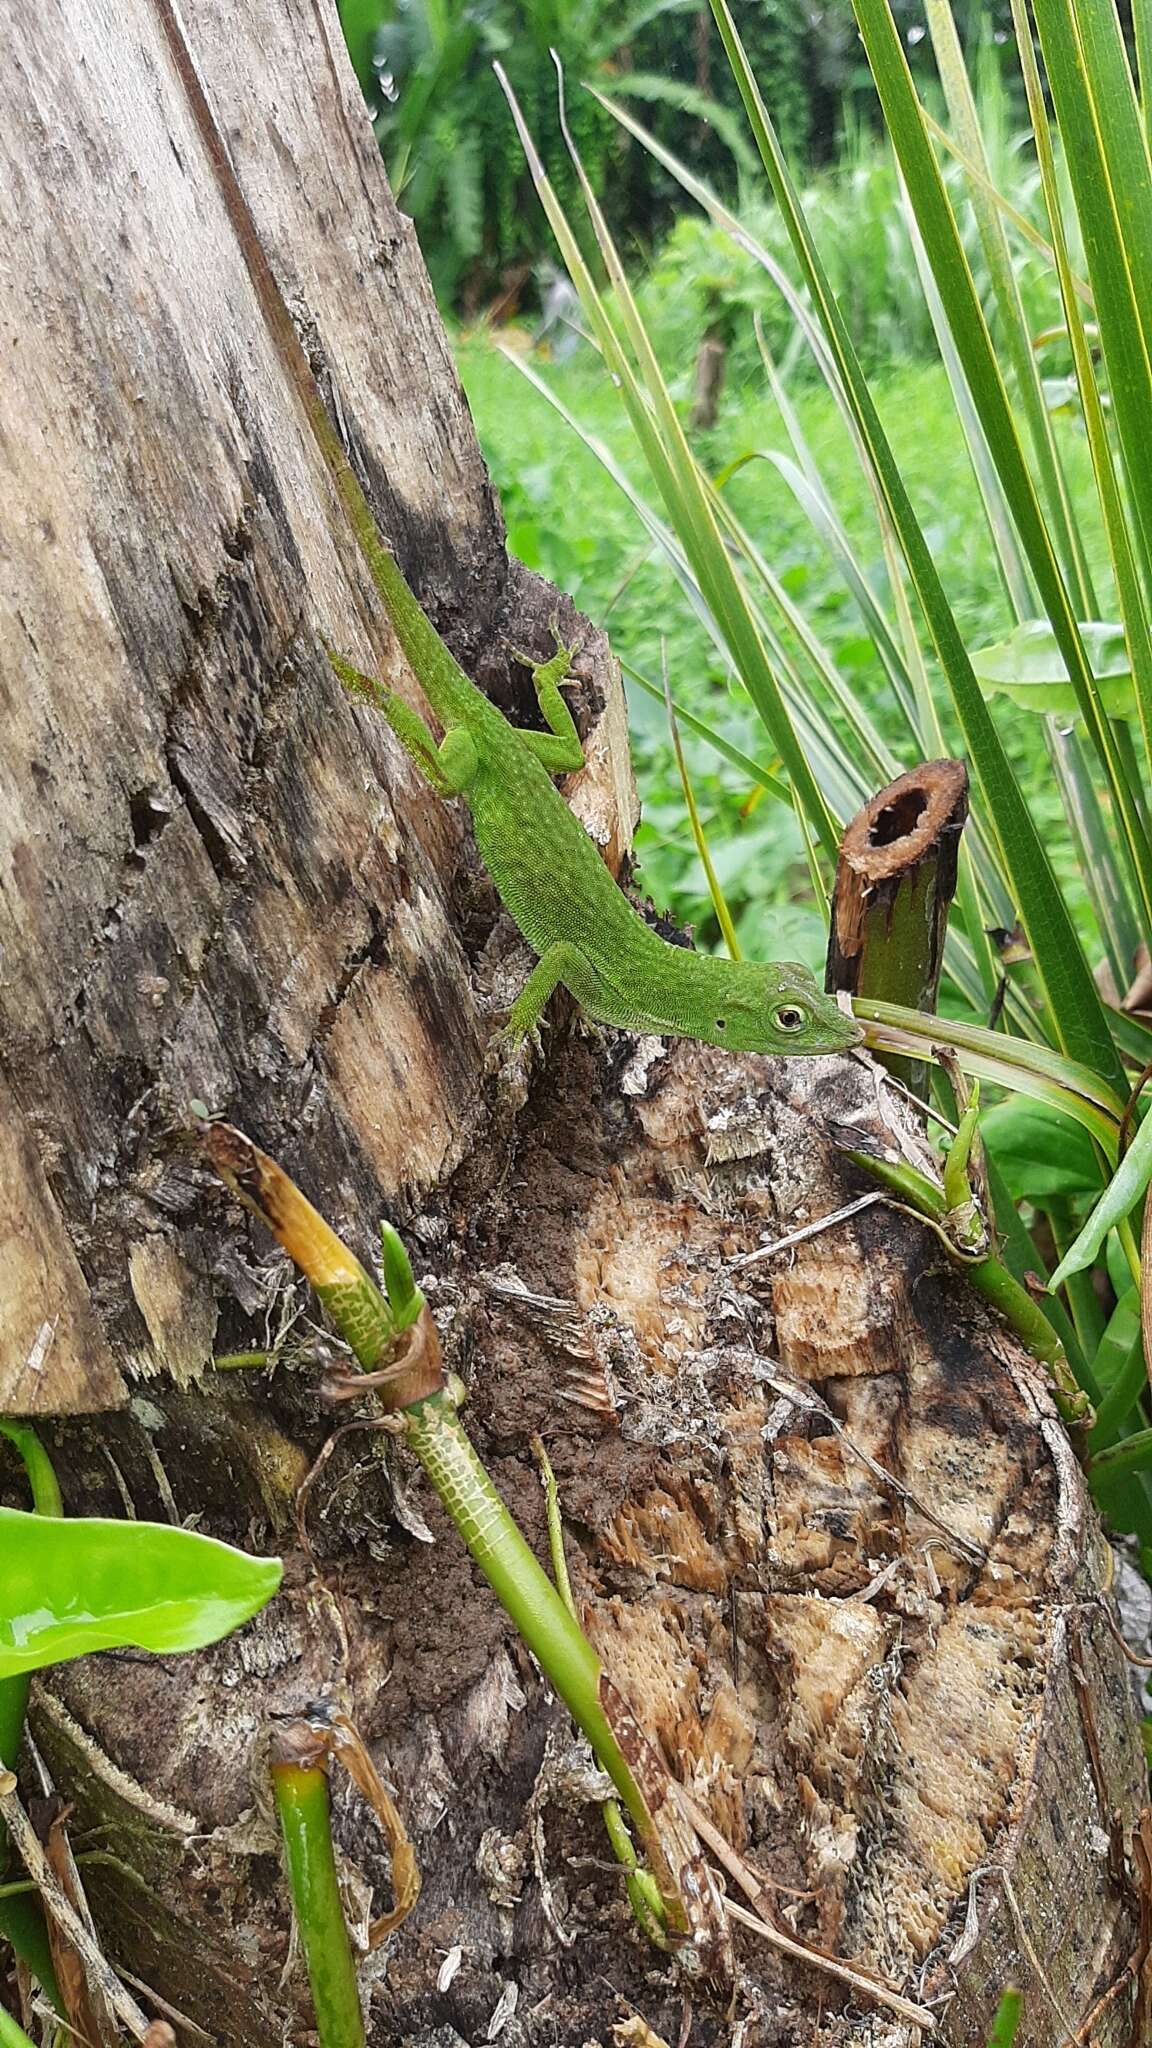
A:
{"points": [[397, 1347], [895, 880], [299, 1768], [301, 1756]]}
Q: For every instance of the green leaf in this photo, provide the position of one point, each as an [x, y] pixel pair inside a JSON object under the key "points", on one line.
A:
{"points": [[677, 475], [1029, 668], [1007, 2021], [404, 1297], [1034, 1070], [1118, 1369], [977, 353], [67, 1588], [11, 2035], [1120, 1196], [1039, 1152]]}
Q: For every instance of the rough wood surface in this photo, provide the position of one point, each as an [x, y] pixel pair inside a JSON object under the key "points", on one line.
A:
{"points": [[219, 879], [868, 1633], [828, 1536]]}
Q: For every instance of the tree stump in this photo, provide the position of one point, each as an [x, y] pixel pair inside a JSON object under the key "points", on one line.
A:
{"points": [[823, 1524]]}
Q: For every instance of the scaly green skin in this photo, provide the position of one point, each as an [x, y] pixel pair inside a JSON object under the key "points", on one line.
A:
{"points": [[552, 1633], [551, 878]]}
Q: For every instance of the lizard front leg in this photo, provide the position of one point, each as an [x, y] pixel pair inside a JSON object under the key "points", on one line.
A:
{"points": [[450, 766], [559, 749]]}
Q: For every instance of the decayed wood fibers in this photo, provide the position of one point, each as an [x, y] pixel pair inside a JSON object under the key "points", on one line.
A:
{"points": [[217, 876], [867, 1681]]}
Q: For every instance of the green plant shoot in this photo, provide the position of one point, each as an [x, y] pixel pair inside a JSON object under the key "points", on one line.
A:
{"points": [[410, 1375]]}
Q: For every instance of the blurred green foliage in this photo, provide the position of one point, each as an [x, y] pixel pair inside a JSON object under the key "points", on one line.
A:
{"points": [[565, 519], [425, 67]]}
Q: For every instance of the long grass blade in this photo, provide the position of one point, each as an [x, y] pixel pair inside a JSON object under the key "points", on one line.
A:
{"points": [[719, 902], [1012, 1063], [1014, 327], [1130, 588], [1111, 177], [838, 769], [966, 319], [1111, 899], [1027, 229], [1077, 1016], [658, 428], [758, 776], [1118, 1200], [981, 875]]}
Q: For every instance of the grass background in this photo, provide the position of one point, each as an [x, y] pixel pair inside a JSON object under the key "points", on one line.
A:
{"points": [[568, 521]]}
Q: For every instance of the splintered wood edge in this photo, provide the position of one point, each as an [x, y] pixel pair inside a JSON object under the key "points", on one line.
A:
{"points": [[879, 844]]}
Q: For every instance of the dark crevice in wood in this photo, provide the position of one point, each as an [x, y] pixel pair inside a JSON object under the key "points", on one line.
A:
{"points": [[895, 880]]}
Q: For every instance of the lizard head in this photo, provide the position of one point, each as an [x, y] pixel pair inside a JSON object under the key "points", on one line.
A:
{"points": [[776, 1007]]}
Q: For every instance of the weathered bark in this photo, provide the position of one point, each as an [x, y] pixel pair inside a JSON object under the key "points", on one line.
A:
{"points": [[222, 880], [219, 876]]}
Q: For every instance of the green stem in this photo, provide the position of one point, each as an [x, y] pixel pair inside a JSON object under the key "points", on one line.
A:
{"points": [[1031, 1325], [1081, 1295], [992, 1279], [45, 1487], [1130, 1249], [23, 1926], [13, 1707], [528, 1596], [1021, 1256], [11, 2035], [304, 1810], [1122, 1395], [22, 1916], [957, 1185], [643, 1891], [519, 1581], [412, 1377], [46, 1500], [1119, 1367], [555, 1524], [1133, 1454], [1007, 2020]]}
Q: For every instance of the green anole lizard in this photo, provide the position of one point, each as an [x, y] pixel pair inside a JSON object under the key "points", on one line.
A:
{"points": [[546, 869], [550, 877]]}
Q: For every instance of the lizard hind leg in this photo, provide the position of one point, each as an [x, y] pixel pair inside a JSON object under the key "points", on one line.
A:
{"points": [[562, 963]]}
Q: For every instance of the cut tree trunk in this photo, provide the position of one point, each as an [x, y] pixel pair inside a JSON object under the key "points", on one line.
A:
{"points": [[826, 1531]]}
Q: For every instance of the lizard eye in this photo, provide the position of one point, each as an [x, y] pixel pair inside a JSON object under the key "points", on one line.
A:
{"points": [[721, 1023], [789, 1017]]}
